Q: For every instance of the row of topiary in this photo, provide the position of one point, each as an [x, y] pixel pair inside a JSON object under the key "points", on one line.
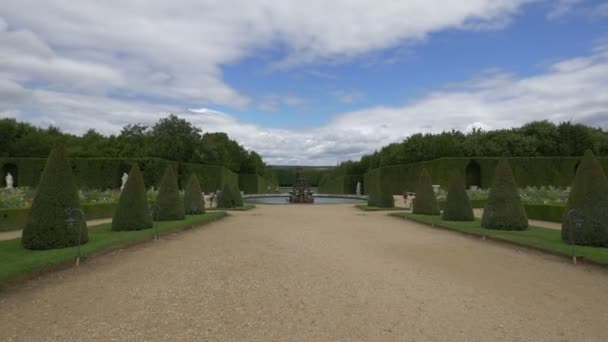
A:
{"points": [[585, 221], [57, 192]]}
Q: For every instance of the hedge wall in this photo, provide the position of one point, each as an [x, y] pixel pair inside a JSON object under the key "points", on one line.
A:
{"points": [[255, 184], [106, 173], [545, 212], [538, 171], [346, 184], [286, 175], [13, 219]]}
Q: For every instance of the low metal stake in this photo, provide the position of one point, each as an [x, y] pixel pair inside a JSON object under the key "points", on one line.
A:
{"points": [[69, 212]]}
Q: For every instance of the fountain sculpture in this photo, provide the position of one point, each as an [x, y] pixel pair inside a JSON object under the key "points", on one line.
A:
{"points": [[301, 192]]}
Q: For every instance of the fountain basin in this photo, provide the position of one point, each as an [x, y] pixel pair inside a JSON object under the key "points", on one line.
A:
{"points": [[319, 199]]}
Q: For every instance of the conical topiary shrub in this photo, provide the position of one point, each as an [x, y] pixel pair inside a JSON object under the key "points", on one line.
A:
{"points": [[193, 198], [425, 202], [229, 197], [504, 209], [238, 198], [458, 206], [46, 225], [586, 219], [133, 212], [169, 204]]}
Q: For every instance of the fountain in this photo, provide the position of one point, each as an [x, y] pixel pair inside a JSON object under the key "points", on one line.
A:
{"points": [[301, 192]]}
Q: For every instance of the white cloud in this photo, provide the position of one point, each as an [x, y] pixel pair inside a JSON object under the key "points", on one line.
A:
{"points": [[561, 8], [348, 96], [574, 89], [175, 50], [104, 64]]}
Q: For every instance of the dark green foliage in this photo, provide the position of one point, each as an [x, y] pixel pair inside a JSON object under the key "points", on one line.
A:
{"points": [[46, 227], [132, 212], [230, 197], [425, 202], [504, 209], [379, 194], [16, 218], [458, 206], [545, 212], [586, 218], [193, 198], [169, 204]]}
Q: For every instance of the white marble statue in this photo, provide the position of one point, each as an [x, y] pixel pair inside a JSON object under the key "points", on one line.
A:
{"points": [[9, 180], [358, 188], [124, 178], [436, 188]]}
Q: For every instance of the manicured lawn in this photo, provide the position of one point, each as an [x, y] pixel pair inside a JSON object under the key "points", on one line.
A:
{"points": [[16, 261], [366, 207], [545, 239], [245, 207]]}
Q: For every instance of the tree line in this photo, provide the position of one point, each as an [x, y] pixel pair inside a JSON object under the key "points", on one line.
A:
{"points": [[170, 138], [534, 139]]}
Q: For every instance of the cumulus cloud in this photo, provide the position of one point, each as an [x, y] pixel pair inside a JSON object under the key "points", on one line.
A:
{"points": [[175, 50], [561, 8], [574, 89], [104, 64]]}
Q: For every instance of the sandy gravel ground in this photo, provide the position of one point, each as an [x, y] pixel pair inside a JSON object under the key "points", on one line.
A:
{"points": [[13, 234], [313, 273]]}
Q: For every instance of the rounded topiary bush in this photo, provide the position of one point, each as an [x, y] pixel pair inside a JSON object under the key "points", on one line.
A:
{"points": [[586, 219], [46, 224], [133, 212], [458, 206], [193, 198], [425, 202], [169, 204], [504, 209]]}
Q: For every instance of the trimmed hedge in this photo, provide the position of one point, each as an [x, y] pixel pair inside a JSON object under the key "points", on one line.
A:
{"points": [[286, 175], [193, 198], [230, 197], [57, 192], [458, 206], [16, 218], [586, 219], [106, 173], [256, 184], [504, 210], [132, 212], [379, 195], [346, 184], [545, 212], [169, 204], [533, 171], [425, 202]]}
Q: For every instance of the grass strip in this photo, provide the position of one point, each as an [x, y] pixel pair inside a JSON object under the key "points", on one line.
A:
{"points": [[16, 261], [366, 207], [538, 238], [243, 208]]}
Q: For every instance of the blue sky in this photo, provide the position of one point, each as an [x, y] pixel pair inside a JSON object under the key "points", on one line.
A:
{"points": [[331, 80]]}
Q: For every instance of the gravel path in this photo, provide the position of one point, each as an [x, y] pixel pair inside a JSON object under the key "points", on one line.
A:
{"points": [[313, 273]]}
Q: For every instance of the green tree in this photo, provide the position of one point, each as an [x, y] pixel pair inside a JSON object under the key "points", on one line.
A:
{"points": [[132, 212], [175, 139], [586, 218], [425, 202], [193, 198], [458, 206], [169, 203], [46, 225], [504, 209]]}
